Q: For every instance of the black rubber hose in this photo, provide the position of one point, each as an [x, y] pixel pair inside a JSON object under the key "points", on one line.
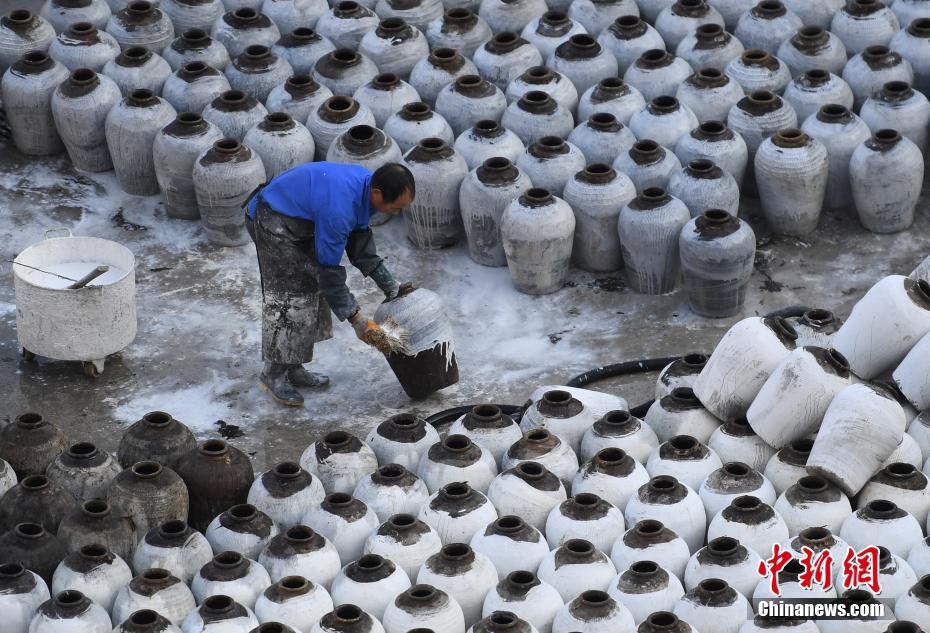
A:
{"points": [[788, 312], [451, 415], [620, 369]]}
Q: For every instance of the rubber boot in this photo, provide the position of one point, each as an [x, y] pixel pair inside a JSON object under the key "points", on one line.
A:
{"points": [[300, 377], [274, 380]]}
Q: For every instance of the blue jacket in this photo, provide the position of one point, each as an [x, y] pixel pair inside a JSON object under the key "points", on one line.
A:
{"points": [[335, 197]]}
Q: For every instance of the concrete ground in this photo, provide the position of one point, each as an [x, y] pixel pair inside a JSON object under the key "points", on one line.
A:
{"points": [[197, 352]]}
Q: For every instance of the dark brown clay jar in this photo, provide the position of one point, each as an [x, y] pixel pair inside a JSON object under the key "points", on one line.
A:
{"points": [[30, 444], [95, 522], [37, 498], [218, 476], [157, 437], [150, 494], [29, 545]]}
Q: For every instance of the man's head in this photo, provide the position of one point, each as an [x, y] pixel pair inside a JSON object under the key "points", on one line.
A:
{"points": [[392, 188]]}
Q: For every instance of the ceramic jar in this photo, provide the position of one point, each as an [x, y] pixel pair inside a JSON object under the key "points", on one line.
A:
{"points": [[257, 71], [841, 132], [459, 28], [218, 476], [191, 14], [438, 70], [138, 68], [561, 414], [511, 545], [141, 23], [773, 339], [664, 120], [131, 128], [522, 593], [899, 107], [702, 185], [685, 459], [424, 606], [864, 23], [593, 611], [717, 254], [628, 38], [294, 602], [883, 523], [469, 99], [455, 459], [340, 460], [366, 146], [871, 69], [457, 512], [487, 139], [597, 15], [647, 164], [816, 327], [758, 116], [346, 23], [657, 73], [611, 475], [371, 583], [464, 574], [813, 47], [175, 149], [535, 115], [539, 445], [402, 439], [679, 373], [709, 46], [788, 464], [175, 547], [417, 14], [676, 505], [157, 590], [84, 471], [649, 540], [756, 70], [300, 96], [619, 429], [602, 138], [585, 516], [856, 406], [735, 441], [406, 541], [22, 32], [390, 490], [70, 609], [529, 491], [483, 197], [151, 494], [550, 163], [231, 574], [385, 95], [505, 57], [767, 25], [234, 113], [394, 46], [912, 43], [63, 13], [220, 611], [79, 108], [820, 14], [714, 606], [488, 427], [679, 413], [95, 522], [725, 558], [574, 565], [812, 501], [710, 94], [242, 529], [23, 593], [751, 522], [334, 117], [344, 71], [537, 231], [224, 177], [892, 164], [345, 521], [646, 588], [683, 18], [35, 548], [240, 28], [785, 410], [597, 194], [906, 300], [347, 618], [26, 89], [550, 30], [584, 61], [649, 226], [302, 48], [280, 142], [196, 45], [299, 551], [815, 88], [83, 46], [504, 16], [541, 78], [434, 220], [416, 121], [797, 166], [733, 480], [94, 571], [157, 436], [903, 485]]}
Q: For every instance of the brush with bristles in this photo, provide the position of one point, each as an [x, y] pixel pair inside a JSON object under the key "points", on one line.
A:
{"points": [[392, 338]]}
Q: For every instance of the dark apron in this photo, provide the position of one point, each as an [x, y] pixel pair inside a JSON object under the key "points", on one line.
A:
{"points": [[294, 313]]}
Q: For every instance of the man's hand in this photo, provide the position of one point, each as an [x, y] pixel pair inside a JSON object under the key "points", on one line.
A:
{"points": [[401, 291], [366, 330]]}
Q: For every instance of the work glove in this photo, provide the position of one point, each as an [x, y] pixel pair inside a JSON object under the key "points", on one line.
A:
{"points": [[385, 280], [363, 327], [402, 290]]}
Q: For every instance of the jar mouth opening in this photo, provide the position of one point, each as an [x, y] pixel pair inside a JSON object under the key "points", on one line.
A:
{"points": [[219, 447], [345, 55], [683, 443], [817, 75], [257, 51], [610, 83], [755, 56], [338, 499], [538, 435], [579, 547], [271, 627], [156, 574], [416, 108], [35, 482], [771, 6], [648, 527], [29, 530], [701, 165], [456, 551], [84, 76], [491, 411], [762, 96], [421, 592], [189, 118], [920, 27], [648, 146], [218, 604], [443, 53], [458, 14], [551, 142], [287, 470], [337, 439], [815, 534], [663, 483], [19, 16], [531, 470], [747, 502], [303, 33], [644, 567], [603, 119], [160, 418], [140, 7], [243, 512], [540, 195], [392, 24], [813, 483], [709, 30], [610, 456], [386, 80], [69, 598], [172, 528], [228, 559], [556, 396], [900, 469], [457, 443], [582, 40], [506, 38], [695, 361], [663, 620], [455, 490], [882, 508], [598, 169], [85, 450], [246, 14], [595, 598], [195, 35], [522, 578], [713, 585], [11, 570], [712, 128], [487, 126], [299, 533], [93, 550], [618, 417], [503, 619], [683, 394], [96, 507], [833, 111], [887, 136], [402, 520], [34, 58], [711, 74], [348, 613], [278, 118], [508, 524], [82, 28], [468, 81], [655, 55], [391, 472], [723, 546], [300, 81], [628, 21], [137, 53], [736, 469], [370, 562]]}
